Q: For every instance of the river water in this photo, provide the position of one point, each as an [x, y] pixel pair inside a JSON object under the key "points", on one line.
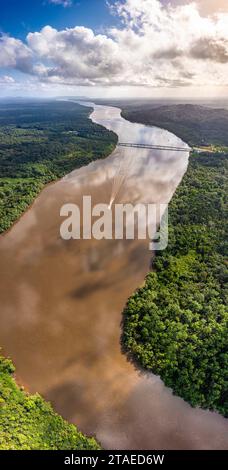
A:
{"points": [[61, 303]]}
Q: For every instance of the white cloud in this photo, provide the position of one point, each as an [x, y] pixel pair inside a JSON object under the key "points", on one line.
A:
{"points": [[6, 80], [77, 54], [64, 3], [15, 54], [156, 46], [206, 7]]}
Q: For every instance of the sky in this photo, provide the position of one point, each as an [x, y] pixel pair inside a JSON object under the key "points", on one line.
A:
{"points": [[115, 48]]}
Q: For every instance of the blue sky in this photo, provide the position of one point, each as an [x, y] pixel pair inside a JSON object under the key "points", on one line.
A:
{"points": [[18, 17], [129, 48]]}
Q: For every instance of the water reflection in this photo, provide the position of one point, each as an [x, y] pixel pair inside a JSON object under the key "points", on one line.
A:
{"points": [[61, 304]]}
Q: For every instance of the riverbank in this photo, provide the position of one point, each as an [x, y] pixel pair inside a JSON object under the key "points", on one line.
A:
{"points": [[176, 324], [27, 422], [197, 125], [61, 304], [24, 417], [40, 143]]}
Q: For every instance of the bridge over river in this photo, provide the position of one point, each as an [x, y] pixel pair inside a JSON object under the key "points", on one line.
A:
{"points": [[155, 147]]}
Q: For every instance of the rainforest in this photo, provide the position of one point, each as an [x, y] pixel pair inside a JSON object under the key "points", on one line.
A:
{"points": [[173, 326]]}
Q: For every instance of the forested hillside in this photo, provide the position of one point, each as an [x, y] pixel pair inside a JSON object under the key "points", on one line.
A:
{"points": [[176, 325], [40, 142], [197, 125], [27, 422]]}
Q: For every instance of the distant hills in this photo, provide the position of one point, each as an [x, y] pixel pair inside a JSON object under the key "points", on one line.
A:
{"points": [[196, 124]]}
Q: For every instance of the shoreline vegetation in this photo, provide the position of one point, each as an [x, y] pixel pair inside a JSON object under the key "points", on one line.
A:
{"points": [[28, 422], [39, 143], [198, 126], [176, 325]]}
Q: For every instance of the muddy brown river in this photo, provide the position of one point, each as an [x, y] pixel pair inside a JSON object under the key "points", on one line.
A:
{"points": [[61, 303]]}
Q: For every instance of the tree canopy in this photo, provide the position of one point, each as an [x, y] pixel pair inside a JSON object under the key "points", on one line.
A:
{"points": [[176, 324]]}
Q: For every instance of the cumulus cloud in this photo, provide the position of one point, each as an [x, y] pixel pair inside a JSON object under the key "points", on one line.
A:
{"points": [[206, 7], [15, 54], [210, 48], [77, 54], [157, 45]]}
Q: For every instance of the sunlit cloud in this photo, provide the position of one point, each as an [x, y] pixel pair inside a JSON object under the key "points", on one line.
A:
{"points": [[157, 45]]}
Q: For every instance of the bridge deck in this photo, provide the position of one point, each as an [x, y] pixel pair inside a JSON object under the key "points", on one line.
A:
{"points": [[155, 147]]}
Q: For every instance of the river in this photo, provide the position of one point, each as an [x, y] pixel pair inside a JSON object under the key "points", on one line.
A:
{"points": [[61, 304]]}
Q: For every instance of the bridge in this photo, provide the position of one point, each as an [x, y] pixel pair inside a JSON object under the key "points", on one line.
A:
{"points": [[155, 147]]}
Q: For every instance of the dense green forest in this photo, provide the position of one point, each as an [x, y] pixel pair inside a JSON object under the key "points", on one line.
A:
{"points": [[195, 124], [27, 422], [176, 324], [40, 142]]}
